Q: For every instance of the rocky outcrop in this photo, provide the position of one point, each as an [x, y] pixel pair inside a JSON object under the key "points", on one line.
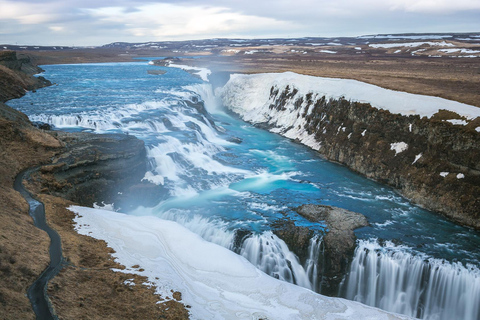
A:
{"points": [[94, 168], [16, 75], [338, 244]]}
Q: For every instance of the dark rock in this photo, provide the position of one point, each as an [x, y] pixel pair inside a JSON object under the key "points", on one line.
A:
{"points": [[338, 242], [236, 140], [156, 72], [297, 238], [95, 168], [16, 75], [42, 125]]}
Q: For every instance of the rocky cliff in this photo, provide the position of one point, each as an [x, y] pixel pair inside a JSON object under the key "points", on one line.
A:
{"points": [[434, 161], [16, 75]]}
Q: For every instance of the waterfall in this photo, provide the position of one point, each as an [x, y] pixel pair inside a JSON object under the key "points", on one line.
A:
{"points": [[311, 264], [270, 254], [391, 278]]}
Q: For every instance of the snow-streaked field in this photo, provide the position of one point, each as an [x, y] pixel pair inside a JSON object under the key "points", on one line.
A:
{"points": [[215, 282]]}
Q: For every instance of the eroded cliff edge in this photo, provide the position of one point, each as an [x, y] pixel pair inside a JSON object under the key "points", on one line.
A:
{"points": [[434, 161]]}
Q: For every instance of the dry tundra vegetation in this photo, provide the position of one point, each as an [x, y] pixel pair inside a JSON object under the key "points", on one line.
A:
{"points": [[87, 288]]}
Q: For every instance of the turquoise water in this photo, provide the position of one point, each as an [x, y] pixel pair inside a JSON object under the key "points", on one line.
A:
{"points": [[217, 185]]}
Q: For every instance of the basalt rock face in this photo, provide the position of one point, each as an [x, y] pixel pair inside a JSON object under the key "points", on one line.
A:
{"points": [[95, 168], [337, 246], [16, 75], [430, 161]]}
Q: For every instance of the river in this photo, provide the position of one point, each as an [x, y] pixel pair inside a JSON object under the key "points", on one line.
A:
{"points": [[222, 175]]}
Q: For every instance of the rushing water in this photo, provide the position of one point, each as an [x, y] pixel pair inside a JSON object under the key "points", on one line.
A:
{"points": [[225, 178]]}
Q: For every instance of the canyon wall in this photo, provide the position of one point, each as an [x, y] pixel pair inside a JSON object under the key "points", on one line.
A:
{"points": [[432, 160]]}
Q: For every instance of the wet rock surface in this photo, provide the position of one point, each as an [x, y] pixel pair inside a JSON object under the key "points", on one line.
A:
{"points": [[94, 168], [338, 243]]}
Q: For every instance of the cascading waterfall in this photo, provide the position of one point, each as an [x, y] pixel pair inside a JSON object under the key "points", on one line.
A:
{"points": [[393, 279], [311, 264], [271, 255]]}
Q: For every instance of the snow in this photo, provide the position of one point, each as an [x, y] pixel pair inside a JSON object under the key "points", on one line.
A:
{"points": [[457, 122], [411, 44], [363, 133], [460, 176], [412, 37], [444, 174], [203, 73], [215, 282], [459, 50], [249, 95], [398, 147], [477, 129], [417, 157], [327, 51]]}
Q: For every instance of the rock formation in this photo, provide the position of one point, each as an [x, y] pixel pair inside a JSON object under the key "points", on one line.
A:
{"points": [[338, 244], [17, 75]]}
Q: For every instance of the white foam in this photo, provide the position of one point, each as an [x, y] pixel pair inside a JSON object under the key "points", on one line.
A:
{"points": [[215, 282]]}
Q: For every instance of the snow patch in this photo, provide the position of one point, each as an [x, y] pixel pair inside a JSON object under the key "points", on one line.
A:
{"points": [[203, 73], [104, 206], [411, 44], [444, 174], [460, 176], [129, 282], [457, 122], [417, 157], [398, 147]]}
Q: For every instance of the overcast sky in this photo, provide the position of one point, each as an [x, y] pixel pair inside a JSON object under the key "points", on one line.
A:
{"points": [[97, 22]]}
